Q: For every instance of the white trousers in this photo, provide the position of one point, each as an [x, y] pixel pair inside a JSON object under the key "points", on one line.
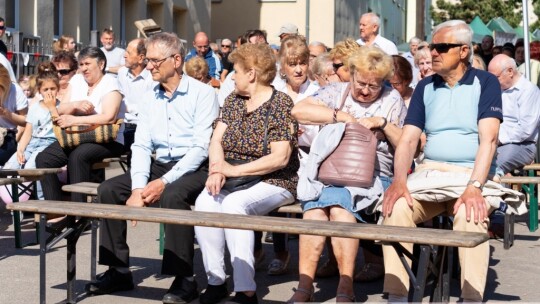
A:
{"points": [[257, 200]]}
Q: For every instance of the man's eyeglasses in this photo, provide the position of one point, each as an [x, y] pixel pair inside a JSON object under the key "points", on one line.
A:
{"points": [[443, 47], [2, 27], [64, 72], [337, 65], [156, 63], [225, 46]]}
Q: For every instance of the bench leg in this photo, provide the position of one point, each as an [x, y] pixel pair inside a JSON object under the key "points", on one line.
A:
{"points": [[71, 264], [42, 262], [421, 275], [509, 220], [93, 250], [161, 238], [533, 209]]}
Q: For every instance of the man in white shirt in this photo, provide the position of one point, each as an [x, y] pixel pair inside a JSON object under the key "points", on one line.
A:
{"points": [[369, 34], [134, 81], [413, 47], [114, 54], [518, 132]]}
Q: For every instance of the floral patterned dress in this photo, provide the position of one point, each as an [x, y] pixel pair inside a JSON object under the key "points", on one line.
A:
{"points": [[244, 137]]}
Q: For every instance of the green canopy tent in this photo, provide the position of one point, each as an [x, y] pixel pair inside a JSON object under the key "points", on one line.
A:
{"points": [[498, 24], [479, 29], [519, 34]]}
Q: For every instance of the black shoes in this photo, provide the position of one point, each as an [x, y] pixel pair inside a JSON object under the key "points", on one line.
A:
{"points": [[181, 291], [110, 281], [214, 294], [242, 298]]}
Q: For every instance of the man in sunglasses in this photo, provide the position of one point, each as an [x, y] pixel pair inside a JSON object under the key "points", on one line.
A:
{"points": [[369, 34], [459, 109], [3, 47]]}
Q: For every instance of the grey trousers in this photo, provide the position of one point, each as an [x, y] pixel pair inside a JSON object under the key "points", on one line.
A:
{"points": [[515, 156]]}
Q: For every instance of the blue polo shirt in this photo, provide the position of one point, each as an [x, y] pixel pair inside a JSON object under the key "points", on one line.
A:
{"points": [[449, 116], [213, 61]]}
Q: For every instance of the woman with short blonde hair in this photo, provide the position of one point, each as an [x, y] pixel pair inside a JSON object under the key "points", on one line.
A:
{"points": [[340, 55]]}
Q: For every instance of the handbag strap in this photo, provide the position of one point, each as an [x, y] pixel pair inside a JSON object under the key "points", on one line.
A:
{"points": [[344, 97], [269, 108]]}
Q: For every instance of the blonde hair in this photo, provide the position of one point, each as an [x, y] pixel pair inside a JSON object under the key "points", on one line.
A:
{"points": [[423, 53], [61, 43], [197, 68], [373, 60], [294, 49], [343, 50], [258, 57], [5, 84]]}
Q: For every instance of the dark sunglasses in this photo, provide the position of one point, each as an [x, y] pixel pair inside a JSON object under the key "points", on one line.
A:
{"points": [[443, 47], [337, 65], [227, 46], [64, 72], [3, 27]]}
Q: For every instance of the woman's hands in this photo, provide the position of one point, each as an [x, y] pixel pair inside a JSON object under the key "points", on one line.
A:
{"points": [[20, 157], [215, 182], [84, 107], [65, 121]]}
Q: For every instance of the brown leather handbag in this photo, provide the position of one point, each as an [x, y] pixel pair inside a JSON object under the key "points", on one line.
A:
{"points": [[352, 163]]}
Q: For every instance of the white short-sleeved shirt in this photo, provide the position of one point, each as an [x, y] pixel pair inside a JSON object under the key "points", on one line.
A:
{"points": [[106, 85], [115, 57], [16, 101]]}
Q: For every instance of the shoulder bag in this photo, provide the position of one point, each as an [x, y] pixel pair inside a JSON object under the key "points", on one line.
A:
{"points": [[352, 163], [71, 137], [233, 184]]}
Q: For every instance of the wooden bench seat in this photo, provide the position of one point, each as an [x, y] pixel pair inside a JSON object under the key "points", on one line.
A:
{"points": [[90, 189], [425, 237]]}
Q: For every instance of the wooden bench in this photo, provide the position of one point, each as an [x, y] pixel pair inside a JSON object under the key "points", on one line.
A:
{"points": [[529, 184], [15, 178], [425, 237], [106, 162]]}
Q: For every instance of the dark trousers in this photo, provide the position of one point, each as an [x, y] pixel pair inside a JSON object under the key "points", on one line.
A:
{"points": [[79, 163], [8, 148], [129, 139], [180, 194]]}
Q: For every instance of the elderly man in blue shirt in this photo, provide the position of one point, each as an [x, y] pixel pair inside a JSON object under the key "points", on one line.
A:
{"points": [[175, 121], [521, 114]]}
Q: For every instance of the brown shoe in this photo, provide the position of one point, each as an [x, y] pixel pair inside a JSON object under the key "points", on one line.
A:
{"points": [[369, 272]]}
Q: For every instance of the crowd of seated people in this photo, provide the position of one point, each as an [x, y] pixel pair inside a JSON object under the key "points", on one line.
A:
{"points": [[200, 121]]}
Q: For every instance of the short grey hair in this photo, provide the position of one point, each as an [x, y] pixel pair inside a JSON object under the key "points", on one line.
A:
{"points": [[168, 43], [226, 40], [317, 43], [373, 18], [461, 31], [415, 39], [321, 65]]}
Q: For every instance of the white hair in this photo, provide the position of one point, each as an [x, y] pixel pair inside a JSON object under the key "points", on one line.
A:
{"points": [[461, 31]]}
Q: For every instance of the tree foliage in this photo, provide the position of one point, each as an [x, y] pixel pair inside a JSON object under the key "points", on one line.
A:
{"points": [[466, 10]]}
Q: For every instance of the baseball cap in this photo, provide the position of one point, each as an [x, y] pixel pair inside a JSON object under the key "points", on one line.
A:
{"points": [[288, 28]]}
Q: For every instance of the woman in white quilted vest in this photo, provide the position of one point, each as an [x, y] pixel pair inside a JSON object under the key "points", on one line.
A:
{"points": [[365, 99]]}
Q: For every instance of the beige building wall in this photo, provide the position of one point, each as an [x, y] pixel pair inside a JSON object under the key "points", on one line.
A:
{"points": [[231, 18]]}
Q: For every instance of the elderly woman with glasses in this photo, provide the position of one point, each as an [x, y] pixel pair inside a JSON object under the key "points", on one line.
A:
{"points": [[377, 107]]}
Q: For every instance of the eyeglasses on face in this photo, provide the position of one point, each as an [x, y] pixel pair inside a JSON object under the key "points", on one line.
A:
{"points": [[2, 27], [443, 47], [395, 84], [225, 46], [156, 63], [337, 65]]}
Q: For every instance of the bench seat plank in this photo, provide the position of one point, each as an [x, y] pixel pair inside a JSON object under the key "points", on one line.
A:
{"points": [[520, 180], [259, 223]]}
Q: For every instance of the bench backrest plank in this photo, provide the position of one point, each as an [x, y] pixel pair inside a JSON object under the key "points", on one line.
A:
{"points": [[259, 223]]}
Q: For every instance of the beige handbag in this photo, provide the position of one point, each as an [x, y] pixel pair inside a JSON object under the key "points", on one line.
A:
{"points": [[352, 163]]}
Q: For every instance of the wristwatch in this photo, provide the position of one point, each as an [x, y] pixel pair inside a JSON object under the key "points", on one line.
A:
{"points": [[476, 184], [164, 180]]}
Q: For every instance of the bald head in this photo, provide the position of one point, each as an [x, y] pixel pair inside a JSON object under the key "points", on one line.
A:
{"points": [[505, 69], [201, 43]]}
